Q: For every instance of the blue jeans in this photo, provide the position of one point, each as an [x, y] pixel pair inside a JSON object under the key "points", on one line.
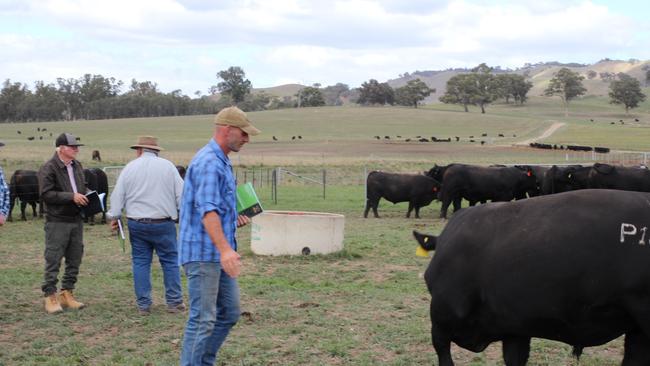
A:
{"points": [[161, 237], [214, 310]]}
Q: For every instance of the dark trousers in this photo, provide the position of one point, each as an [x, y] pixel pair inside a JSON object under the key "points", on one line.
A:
{"points": [[62, 240]]}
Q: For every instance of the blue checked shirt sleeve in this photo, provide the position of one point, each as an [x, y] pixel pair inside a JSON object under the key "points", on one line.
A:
{"points": [[208, 196], [4, 195]]}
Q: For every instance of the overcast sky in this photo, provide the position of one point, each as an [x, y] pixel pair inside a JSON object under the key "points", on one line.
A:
{"points": [[182, 44]]}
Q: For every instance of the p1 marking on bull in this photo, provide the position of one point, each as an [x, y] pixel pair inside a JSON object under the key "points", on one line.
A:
{"points": [[630, 229]]}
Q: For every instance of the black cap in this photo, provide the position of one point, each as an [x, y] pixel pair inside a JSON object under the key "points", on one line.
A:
{"points": [[67, 140]]}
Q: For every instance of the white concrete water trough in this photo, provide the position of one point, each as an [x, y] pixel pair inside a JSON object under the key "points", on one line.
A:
{"points": [[297, 233]]}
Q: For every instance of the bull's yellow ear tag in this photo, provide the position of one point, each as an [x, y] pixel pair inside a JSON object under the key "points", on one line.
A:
{"points": [[420, 252]]}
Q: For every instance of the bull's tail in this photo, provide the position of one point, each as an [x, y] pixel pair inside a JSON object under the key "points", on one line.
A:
{"points": [[426, 241], [12, 186]]}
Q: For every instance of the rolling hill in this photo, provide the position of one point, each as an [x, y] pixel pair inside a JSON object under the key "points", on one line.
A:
{"points": [[538, 74]]}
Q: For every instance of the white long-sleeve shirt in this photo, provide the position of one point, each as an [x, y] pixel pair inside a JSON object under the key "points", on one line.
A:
{"points": [[148, 187]]}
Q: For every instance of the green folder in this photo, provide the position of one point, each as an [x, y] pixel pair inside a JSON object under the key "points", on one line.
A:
{"points": [[247, 202]]}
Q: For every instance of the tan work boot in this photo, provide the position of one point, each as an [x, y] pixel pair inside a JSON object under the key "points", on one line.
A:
{"points": [[52, 305], [67, 300]]}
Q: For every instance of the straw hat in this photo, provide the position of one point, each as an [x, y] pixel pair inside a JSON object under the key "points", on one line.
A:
{"points": [[147, 142]]}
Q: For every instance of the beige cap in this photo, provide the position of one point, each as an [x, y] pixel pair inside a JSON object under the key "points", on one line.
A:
{"points": [[147, 142], [233, 116]]}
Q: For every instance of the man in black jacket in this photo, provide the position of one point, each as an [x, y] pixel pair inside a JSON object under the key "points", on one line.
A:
{"points": [[62, 191]]}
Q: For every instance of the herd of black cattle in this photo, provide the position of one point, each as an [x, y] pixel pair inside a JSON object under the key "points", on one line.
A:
{"points": [[571, 264], [598, 149], [420, 138], [452, 183]]}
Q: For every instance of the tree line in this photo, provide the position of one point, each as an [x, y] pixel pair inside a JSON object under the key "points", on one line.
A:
{"points": [[481, 87], [478, 87], [99, 97], [94, 97]]}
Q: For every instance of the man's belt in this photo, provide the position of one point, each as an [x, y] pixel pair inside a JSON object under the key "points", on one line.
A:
{"points": [[151, 221]]}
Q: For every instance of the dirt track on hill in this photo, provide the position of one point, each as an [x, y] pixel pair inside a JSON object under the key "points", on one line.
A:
{"points": [[549, 131]]}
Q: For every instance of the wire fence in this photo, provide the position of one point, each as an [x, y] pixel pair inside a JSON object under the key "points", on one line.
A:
{"points": [[272, 177]]}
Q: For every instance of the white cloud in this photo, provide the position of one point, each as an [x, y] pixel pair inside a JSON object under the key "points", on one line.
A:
{"points": [[183, 43]]}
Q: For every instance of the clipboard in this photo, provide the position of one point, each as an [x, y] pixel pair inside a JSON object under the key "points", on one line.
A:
{"points": [[94, 206]]}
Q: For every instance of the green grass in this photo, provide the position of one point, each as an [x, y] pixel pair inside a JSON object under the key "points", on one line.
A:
{"points": [[366, 305]]}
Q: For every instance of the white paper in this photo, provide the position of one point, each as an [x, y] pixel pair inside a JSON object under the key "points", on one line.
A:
{"points": [[101, 200], [119, 226]]}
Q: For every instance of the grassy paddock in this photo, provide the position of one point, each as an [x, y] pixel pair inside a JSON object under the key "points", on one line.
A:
{"points": [[364, 306], [343, 136], [367, 305]]}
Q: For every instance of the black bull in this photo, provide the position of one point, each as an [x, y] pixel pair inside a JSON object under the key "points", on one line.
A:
{"points": [[23, 185], [511, 271], [417, 190], [96, 180], [562, 179], [480, 184], [619, 177]]}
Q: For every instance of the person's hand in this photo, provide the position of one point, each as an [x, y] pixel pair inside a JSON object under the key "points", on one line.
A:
{"points": [[231, 263], [113, 225], [243, 220], [2, 219], [80, 199]]}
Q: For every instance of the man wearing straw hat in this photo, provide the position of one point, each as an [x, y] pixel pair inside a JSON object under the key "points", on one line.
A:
{"points": [[4, 195], [149, 189], [207, 242]]}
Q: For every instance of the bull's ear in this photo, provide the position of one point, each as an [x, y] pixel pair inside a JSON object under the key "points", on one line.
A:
{"points": [[604, 168], [529, 173]]}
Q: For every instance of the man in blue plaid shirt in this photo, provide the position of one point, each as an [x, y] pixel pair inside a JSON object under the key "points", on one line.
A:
{"points": [[207, 246], [4, 196]]}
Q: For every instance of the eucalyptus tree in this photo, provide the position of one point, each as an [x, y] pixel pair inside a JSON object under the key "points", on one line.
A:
{"points": [[567, 85], [374, 92], [461, 89], [626, 91], [512, 86], [12, 96], [485, 90], [412, 93], [334, 93], [310, 96], [233, 84], [48, 104], [69, 91]]}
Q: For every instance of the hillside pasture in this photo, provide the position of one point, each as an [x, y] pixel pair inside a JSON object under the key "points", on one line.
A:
{"points": [[345, 135]]}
